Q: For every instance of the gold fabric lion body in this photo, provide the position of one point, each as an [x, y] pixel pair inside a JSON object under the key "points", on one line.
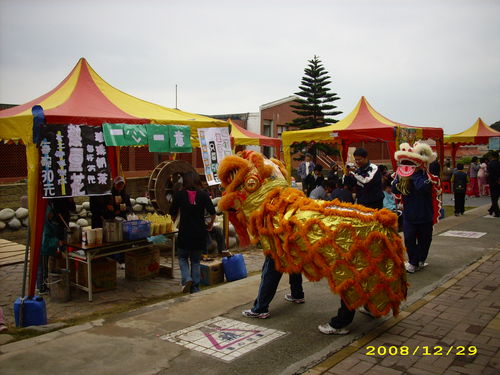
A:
{"points": [[356, 248]]}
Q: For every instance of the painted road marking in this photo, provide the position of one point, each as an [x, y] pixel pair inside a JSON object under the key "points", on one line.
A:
{"points": [[223, 338], [463, 233]]}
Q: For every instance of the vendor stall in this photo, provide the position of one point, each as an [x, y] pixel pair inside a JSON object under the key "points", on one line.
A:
{"points": [[244, 137], [83, 97], [478, 134], [362, 124]]}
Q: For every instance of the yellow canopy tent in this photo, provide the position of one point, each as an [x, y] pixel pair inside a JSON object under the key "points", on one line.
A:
{"points": [[362, 124], [244, 137], [83, 97], [478, 134]]}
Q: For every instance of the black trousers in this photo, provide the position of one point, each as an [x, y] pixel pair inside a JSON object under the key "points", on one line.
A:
{"points": [[494, 192], [418, 238], [459, 203], [344, 316]]}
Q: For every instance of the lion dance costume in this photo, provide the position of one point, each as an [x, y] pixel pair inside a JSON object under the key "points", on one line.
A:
{"points": [[357, 249]]}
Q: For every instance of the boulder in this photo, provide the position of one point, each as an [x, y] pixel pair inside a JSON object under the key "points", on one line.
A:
{"points": [[137, 208], [142, 200], [21, 213], [150, 209], [79, 207], [7, 214], [14, 223], [73, 217], [26, 221], [73, 224], [82, 213], [86, 205], [132, 201], [2, 225], [82, 222]]}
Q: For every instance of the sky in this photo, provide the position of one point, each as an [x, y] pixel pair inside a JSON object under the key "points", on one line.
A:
{"points": [[422, 62]]}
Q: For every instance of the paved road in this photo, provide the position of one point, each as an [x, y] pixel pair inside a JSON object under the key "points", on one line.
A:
{"points": [[131, 343]]}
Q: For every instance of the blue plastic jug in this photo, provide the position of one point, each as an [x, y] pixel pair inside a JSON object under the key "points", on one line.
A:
{"points": [[34, 312], [234, 267]]}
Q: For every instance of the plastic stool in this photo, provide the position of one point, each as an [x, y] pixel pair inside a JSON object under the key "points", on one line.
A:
{"points": [[446, 187]]}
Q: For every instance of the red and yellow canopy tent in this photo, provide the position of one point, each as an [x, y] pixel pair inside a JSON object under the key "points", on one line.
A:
{"points": [[83, 97], [478, 134], [244, 137], [363, 124]]}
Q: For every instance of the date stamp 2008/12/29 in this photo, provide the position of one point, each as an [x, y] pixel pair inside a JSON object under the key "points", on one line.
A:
{"points": [[421, 350]]}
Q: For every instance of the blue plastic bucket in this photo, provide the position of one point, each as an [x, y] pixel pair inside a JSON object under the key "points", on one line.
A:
{"points": [[234, 267]]}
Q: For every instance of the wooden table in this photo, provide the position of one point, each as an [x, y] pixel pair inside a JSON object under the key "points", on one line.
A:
{"points": [[105, 249]]}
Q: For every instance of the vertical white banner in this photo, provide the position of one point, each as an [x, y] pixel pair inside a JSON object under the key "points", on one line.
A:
{"points": [[215, 144]]}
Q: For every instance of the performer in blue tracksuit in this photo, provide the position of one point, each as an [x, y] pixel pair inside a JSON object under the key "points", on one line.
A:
{"points": [[417, 218]]}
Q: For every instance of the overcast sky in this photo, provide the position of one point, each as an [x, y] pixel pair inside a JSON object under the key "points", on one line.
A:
{"points": [[423, 62]]}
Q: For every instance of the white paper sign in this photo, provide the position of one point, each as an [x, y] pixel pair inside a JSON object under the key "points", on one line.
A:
{"points": [[463, 234], [215, 145], [158, 137]]}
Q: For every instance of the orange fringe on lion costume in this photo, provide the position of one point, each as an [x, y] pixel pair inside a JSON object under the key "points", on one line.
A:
{"points": [[357, 249]]}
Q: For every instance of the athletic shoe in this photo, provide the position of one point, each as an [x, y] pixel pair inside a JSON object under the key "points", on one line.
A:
{"points": [[365, 311], [186, 288], [410, 268], [3, 327], [289, 298], [422, 265], [327, 329], [251, 314]]}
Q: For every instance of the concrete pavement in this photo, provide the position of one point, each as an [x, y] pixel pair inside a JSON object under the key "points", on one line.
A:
{"points": [[131, 343]]}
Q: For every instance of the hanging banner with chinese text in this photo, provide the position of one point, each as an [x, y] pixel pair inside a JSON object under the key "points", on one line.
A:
{"points": [[125, 135], [73, 161], [158, 138], [179, 138], [215, 145]]}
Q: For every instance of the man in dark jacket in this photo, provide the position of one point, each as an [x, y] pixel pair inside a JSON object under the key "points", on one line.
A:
{"points": [[314, 180], [418, 213], [369, 181]]}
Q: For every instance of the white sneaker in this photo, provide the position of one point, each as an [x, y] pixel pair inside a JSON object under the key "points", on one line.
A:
{"points": [[365, 311], [251, 314], [289, 298], [327, 329], [422, 265], [410, 268]]}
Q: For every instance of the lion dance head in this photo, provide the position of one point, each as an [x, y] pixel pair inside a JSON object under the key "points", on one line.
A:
{"points": [[244, 174]]}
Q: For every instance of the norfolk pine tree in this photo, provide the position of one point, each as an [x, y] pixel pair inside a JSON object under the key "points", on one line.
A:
{"points": [[315, 102]]}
